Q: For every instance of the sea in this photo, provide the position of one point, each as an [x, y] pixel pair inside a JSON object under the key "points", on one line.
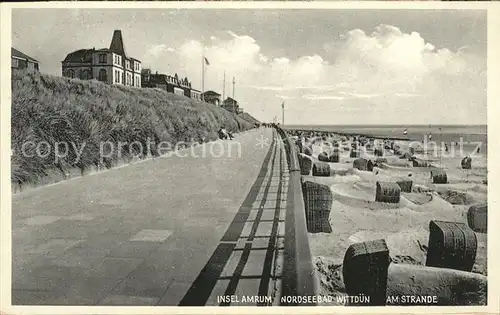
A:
{"points": [[470, 135]]}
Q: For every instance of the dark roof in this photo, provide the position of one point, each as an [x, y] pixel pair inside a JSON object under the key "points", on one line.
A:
{"points": [[81, 55], [117, 45], [16, 53], [211, 93]]}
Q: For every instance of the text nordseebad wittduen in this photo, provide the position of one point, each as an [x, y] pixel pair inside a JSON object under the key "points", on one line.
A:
{"points": [[360, 299]]}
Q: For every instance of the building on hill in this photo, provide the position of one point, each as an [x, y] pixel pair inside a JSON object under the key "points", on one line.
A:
{"points": [[195, 94], [211, 97], [110, 65], [20, 60], [171, 84], [232, 105]]}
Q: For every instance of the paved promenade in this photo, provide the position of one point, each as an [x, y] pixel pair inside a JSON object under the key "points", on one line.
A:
{"points": [[168, 231]]}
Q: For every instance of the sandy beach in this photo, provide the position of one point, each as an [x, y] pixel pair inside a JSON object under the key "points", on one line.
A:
{"points": [[356, 217]]}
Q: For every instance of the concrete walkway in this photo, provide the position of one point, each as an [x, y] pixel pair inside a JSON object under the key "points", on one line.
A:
{"points": [[169, 231]]}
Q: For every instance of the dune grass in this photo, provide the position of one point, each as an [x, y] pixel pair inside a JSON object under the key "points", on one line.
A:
{"points": [[85, 114]]}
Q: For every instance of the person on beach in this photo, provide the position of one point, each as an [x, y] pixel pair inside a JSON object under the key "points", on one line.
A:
{"points": [[223, 134]]}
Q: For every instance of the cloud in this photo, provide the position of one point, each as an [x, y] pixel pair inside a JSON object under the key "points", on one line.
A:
{"points": [[323, 97], [158, 50], [389, 68], [285, 97]]}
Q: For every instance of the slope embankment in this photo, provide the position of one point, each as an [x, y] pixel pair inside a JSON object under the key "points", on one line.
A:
{"points": [[60, 125]]}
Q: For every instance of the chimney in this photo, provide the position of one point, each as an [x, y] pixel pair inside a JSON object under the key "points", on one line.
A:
{"points": [[117, 45]]}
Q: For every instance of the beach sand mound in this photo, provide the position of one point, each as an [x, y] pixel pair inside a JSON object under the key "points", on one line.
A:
{"points": [[456, 197], [449, 286], [408, 275], [416, 198]]}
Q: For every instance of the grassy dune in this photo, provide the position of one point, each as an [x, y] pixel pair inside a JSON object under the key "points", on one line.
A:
{"points": [[85, 114]]}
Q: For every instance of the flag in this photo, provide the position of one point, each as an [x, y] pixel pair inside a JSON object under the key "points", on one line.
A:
{"points": [[283, 105], [206, 61]]}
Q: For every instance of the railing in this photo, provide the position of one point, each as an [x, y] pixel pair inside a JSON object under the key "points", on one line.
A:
{"points": [[299, 283]]}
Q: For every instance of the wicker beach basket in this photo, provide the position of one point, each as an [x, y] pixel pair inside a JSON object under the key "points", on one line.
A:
{"points": [[305, 164], [321, 169], [354, 154], [307, 150], [451, 245], [466, 163], [379, 152], [318, 204], [387, 192], [439, 176], [420, 163], [323, 157], [365, 270], [361, 164], [299, 145], [477, 218], [334, 157], [405, 185], [369, 166]]}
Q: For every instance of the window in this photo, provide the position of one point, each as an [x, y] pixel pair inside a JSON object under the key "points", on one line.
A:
{"points": [[117, 76], [127, 64], [103, 58], [83, 74], [14, 63], [71, 73], [23, 64], [103, 76], [117, 60]]}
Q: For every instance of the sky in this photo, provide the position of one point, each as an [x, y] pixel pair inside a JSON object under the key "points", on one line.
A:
{"points": [[332, 66]]}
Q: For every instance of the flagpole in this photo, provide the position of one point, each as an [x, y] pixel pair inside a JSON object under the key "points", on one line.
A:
{"points": [[283, 114], [203, 75], [224, 87], [233, 96]]}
